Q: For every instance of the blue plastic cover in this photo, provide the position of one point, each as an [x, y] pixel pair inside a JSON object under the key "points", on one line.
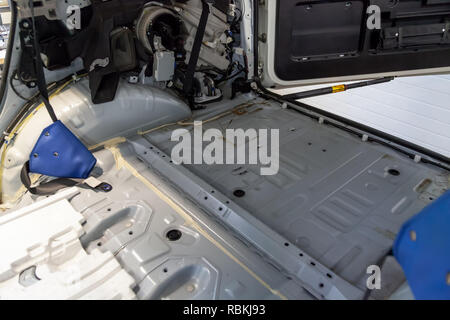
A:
{"points": [[422, 248], [59, 153]]}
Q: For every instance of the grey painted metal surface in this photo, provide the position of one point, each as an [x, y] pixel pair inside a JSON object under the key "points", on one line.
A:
{"points": [[337, 200], [276, 249], [309, 231], [206, 262], [135, 107]]}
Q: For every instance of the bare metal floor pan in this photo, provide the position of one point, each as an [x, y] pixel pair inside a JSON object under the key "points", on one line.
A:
{"points": [[334, 196]]}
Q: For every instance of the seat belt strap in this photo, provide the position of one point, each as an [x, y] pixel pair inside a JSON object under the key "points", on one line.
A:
{"points": [[40, 76], [195, 52], [46, 188], [55, 185]]}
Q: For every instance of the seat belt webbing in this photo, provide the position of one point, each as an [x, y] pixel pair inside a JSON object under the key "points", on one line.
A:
{"points": [[40, 76]]}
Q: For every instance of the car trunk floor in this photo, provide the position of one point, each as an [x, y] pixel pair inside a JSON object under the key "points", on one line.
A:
{"points": [[336, 197]]}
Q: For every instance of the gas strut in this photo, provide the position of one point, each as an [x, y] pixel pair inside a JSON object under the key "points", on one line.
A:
{"points": [[334, 89]]}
